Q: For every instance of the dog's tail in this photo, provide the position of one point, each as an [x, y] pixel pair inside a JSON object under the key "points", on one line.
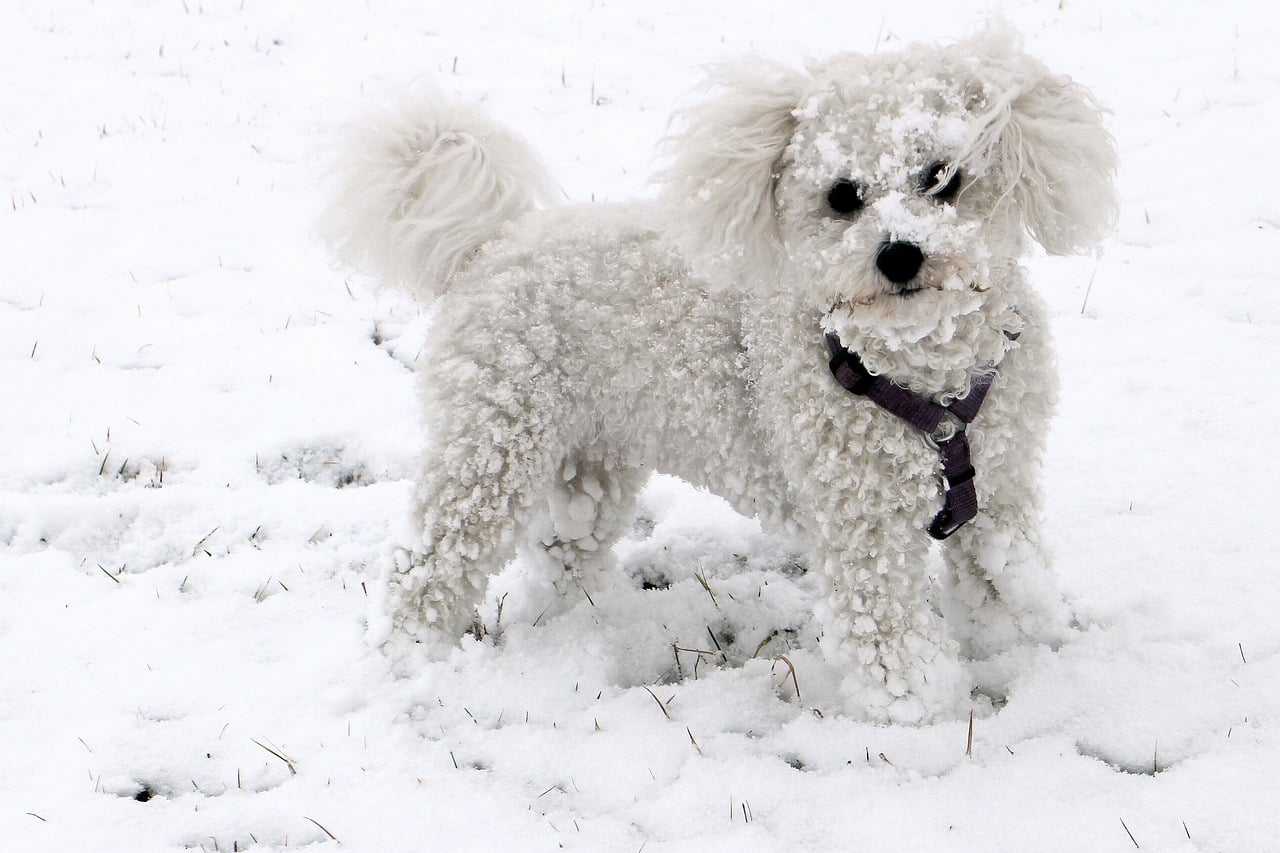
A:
{"points": [[424, 184]]}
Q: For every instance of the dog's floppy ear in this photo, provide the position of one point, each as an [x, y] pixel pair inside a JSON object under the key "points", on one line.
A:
{"points": [[718, 188], [1067, 160], [1047, 135]]}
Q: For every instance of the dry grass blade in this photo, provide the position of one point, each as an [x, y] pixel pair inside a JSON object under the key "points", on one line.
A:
{"points": [[1130, 834], [289, 762], [692, 741], [108, 574], [498, 619], [665, 712], [322, 828], [790, 666], [261, 594], [200, 544], [723, 657], [693, 651], [697, 660], [968, 749], [702, 579], [1087, 291], [766, 641]]}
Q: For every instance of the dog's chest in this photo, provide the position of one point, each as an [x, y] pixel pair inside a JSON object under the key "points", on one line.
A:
{"points": [[835, 445]]}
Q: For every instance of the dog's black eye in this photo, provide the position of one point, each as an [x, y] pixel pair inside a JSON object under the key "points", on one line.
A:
{"points": [[929, 182], [844, 197]]}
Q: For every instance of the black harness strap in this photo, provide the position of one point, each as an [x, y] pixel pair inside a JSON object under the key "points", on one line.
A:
{"points": [[943, 426]]}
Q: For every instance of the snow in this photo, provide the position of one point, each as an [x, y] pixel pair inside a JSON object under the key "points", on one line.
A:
{"points": [[208, 439]]}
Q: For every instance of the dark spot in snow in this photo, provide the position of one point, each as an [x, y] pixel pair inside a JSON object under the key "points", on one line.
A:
{"points": [[649, 577], [997, 698], [642, 527], [324, 466], [1130, 765], [725, 635], [793, 568]]}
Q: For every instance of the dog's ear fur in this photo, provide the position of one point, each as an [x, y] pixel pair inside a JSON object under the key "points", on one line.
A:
{"points": [[1046, 132], [1067, 160], [724, 158]]}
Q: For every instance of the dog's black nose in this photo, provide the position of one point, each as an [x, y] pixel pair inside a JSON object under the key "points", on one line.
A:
{"points": [[899, 261]]}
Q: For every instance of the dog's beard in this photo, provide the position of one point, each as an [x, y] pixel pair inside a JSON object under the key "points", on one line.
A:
{"points": [[901, 317]]}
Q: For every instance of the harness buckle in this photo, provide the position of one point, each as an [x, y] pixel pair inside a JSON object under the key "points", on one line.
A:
{"points": [[947, 429], [943, 526]]}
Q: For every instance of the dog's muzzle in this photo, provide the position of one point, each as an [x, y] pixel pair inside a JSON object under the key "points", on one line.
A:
{"points": [[899, 262]]}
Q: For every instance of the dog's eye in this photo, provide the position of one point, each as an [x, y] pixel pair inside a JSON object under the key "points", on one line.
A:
{"points": [[844, 197], [929, 182]]}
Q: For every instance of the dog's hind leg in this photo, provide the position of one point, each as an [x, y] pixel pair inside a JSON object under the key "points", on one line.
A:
{"points": [[477, 488], [589, 507]]}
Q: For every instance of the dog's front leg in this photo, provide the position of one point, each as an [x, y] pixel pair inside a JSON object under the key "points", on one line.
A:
{"points": [[880, 627], [1007, 592]]}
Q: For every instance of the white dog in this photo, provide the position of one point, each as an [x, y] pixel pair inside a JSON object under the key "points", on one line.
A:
{"points": [[826, 296]]}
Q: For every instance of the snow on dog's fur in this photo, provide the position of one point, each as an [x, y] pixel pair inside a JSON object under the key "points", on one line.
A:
{"points": [[576, 349]]}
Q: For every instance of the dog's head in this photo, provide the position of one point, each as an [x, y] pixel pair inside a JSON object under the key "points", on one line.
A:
{"points": [[888, 179]]}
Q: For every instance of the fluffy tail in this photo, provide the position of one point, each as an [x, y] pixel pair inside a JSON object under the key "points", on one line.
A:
{"points": [[422, 185]]}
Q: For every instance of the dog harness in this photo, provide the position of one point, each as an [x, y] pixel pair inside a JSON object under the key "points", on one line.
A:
{"points": [[943, 427]]}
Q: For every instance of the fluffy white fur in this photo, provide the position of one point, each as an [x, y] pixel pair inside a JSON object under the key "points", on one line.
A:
{"points": [[424, 185], [574, 351]]}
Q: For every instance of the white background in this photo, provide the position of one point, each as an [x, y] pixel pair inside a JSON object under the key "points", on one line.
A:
{"points": [[207, 436]]}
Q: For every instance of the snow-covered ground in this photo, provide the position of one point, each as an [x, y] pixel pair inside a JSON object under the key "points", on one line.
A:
{"points": [[207, 434]]}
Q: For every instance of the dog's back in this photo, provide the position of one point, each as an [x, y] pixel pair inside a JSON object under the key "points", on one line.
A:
{"points": [[583, 325]]}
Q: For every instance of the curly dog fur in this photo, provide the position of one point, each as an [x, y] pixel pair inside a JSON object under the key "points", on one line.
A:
{"points": [[578, 348]]}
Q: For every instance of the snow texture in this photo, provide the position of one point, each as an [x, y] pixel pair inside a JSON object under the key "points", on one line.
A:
{"points": [[211, 436]]}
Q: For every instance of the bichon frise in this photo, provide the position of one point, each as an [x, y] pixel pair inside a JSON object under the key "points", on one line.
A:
{"points": [[822, 320]]}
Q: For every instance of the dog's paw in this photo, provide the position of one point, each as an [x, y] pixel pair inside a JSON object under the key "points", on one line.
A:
{"points": [[415, 616], [913, 692], [409, 653], [995, 628]]}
